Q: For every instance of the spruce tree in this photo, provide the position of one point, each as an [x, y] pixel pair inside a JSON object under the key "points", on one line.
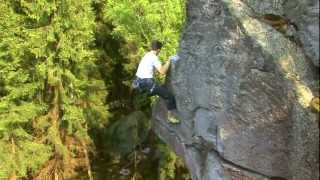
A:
{"points": [[50, 89]]}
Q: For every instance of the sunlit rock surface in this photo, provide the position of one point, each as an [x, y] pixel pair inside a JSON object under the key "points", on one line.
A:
{"points": [[243, 88]]}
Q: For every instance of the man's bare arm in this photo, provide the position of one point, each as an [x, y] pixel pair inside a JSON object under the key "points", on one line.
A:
{"points": [[164, 68]]}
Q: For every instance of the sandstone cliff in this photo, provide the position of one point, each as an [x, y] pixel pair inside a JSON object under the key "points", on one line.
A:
{"points": [[247, 74]]}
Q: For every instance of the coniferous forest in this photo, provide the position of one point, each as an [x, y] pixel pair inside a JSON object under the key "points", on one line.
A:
{"points": [[67, 109]]}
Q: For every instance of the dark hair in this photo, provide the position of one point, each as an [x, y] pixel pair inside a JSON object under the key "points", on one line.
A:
{"points": [[156, 45]]}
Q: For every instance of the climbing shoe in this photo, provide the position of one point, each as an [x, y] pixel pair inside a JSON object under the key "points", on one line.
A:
{"points": [[172, 117]]}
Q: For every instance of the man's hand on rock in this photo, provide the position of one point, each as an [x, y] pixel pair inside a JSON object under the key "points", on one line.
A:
{"points": [[174, 58]]}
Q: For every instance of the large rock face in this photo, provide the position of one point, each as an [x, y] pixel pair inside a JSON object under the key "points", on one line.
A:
{"points": [[243, 88]]}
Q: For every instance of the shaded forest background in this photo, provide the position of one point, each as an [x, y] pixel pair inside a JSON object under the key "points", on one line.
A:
{"points": [[67, 110]]}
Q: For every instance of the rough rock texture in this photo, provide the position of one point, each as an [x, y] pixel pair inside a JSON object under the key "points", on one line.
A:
{"points": [[307, 21], [304, 14], [243, 90]]}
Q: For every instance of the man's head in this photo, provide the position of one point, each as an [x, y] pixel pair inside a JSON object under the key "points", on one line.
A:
{"points": [[156, 46]]}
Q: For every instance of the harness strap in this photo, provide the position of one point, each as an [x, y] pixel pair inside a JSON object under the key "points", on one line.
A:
{"points": [[153, 86]]}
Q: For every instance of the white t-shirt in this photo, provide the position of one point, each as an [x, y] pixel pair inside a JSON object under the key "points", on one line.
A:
{"points": [[147, 65]]}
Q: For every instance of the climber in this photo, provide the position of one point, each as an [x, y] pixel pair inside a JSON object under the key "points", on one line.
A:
{"points": [[145, 78]]}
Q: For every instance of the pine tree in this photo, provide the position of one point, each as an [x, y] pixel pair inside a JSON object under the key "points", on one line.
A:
{"points": [[50, 89]]}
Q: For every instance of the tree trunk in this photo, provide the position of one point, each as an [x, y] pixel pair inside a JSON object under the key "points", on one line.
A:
{"points": [[13, 150]]}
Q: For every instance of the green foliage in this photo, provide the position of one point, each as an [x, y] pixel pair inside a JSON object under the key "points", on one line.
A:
{"points": [[49, 81], [142, 21], [167, 163], [29, 157], [58, 62], [170, 165]]}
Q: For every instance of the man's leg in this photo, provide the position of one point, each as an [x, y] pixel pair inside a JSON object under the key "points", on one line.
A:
{"points": [[164, 93]]}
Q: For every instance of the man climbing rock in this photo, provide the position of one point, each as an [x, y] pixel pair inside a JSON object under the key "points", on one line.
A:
{"points": [[145, 78]]}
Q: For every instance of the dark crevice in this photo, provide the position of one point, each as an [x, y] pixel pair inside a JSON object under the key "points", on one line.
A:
{"points": [[246, 169], [280, 23], [200, 148]]}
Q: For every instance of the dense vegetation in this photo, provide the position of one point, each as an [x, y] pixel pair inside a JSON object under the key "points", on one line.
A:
{"points": [[66, 105]]}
